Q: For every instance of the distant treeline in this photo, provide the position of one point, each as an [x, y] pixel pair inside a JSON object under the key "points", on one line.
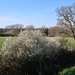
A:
{"points": [[51, 32]]}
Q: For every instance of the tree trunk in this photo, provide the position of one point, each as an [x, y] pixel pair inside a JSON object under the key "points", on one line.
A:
{"points": [[73, 33]]}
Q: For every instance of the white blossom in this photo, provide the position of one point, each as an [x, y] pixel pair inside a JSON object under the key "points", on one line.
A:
{"points": [[28, 43]]}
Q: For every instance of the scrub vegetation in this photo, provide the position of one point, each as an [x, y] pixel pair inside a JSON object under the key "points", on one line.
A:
{"points": [[31, 53]]}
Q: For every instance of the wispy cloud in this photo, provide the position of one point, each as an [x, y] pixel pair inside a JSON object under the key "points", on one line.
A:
{"points": [[7, 19]]}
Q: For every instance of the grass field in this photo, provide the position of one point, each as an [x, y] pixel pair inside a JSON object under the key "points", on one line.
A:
{"points": [[2, 39], [70, 41]]}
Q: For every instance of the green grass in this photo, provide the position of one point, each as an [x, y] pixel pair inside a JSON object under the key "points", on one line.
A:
{"points": [[70, 42], [2, 39]]}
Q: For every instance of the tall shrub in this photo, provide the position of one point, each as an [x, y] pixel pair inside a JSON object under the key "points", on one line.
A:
{"points": [[28, 43], [27, 50]]}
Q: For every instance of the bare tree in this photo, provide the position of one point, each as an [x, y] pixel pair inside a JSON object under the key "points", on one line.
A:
{"points": [[15, 26], [66, 17], [30, 27]]}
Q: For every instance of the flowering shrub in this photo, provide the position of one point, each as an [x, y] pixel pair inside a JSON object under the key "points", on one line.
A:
{"points": [[28, 43], [54, 44], [27, 50]]}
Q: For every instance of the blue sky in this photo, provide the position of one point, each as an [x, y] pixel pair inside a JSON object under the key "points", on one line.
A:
{"points": [[30, 12]]}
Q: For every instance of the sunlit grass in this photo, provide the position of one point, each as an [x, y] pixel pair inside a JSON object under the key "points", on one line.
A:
{"points": [[70, 42], [2, 39]]}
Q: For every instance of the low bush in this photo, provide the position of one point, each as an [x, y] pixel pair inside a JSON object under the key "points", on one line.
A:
{"points": [[68, 71]]}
